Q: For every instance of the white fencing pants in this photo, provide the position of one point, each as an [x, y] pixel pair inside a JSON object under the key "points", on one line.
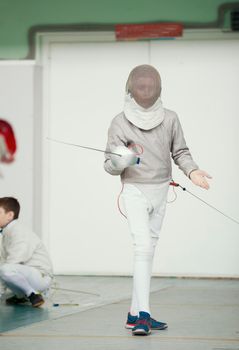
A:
{"points": [[24, 280], [145, 207]]}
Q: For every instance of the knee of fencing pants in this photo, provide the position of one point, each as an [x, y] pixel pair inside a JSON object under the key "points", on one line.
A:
{"points": [[154, 241], [7, 270], [156, 221], [144, 250]]}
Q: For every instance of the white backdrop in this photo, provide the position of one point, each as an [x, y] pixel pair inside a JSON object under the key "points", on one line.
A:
{"points": [[16, 106], [83, 85]]}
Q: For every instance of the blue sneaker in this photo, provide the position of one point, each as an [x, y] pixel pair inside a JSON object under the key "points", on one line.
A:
{"points": [[157, 324], [131, 322], [143, 324]]}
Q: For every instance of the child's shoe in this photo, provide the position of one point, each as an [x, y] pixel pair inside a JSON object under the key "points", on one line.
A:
{"points": [[131, 322], [157, 324], [143, 324], [14, 300], [36, 299]]}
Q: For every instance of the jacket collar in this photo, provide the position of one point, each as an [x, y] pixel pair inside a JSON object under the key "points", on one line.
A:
{"points": [[9, 226]]}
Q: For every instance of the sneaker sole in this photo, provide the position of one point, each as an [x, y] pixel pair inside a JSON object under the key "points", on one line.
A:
{"points": [[156, 329], [141, 332], [128, 326], [39, 303], [160, 329]]}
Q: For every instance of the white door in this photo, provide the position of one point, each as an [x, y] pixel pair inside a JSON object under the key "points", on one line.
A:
{"points": [[85, 84]]}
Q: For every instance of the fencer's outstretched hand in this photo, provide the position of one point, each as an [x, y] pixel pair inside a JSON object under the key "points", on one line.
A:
{"points": [[123, 158], [198, 177]]}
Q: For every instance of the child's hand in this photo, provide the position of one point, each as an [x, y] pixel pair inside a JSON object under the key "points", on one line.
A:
{"points": [[198, 177]]}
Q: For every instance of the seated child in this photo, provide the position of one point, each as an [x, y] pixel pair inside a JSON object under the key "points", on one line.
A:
{"points": [[25, 266]]}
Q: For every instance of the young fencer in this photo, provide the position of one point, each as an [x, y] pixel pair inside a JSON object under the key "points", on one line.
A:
{"points": [[146, 125], [25, 266]]}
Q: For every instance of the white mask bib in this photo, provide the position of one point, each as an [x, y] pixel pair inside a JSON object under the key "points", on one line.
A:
{"points": [[145, 119]]}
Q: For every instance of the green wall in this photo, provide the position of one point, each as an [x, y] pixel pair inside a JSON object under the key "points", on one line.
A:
{"points": [[18, 16]]}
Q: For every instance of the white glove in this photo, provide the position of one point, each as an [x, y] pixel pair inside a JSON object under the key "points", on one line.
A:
{"points": [[127, 158]]}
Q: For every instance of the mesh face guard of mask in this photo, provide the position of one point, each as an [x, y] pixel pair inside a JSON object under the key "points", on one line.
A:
{"points": [[144, 85]]}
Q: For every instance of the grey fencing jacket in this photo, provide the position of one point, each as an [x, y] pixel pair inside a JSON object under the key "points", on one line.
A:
{"points": [[160, 144]]}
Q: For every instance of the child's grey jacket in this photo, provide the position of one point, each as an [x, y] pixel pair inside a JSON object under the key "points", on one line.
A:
{"points": [[159, 144]]}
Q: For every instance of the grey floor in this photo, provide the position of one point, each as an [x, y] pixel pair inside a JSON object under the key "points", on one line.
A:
{"points": [[201, 314]]}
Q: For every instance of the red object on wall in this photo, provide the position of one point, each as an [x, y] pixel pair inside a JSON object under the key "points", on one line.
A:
{"points": [[148, 31], [7, 132]]}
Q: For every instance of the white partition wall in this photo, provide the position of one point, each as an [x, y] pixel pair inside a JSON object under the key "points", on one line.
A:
{"points": [[200, 81], [83, 89], [16, 106]]}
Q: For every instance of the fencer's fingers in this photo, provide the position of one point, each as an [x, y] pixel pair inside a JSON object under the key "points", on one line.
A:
{"points": [[204, 173], [201, 182], [204, 184]]}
